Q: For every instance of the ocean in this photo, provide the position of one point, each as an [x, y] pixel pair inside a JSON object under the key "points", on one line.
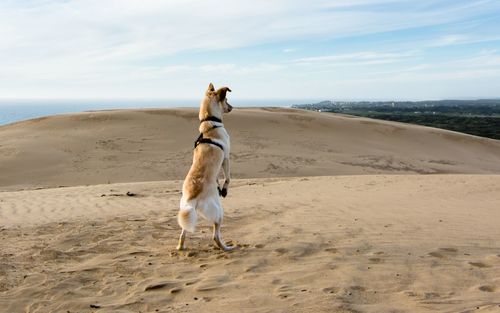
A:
{"points": [[17, 110]]}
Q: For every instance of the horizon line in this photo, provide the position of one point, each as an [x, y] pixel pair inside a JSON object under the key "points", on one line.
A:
{"points": [[250, 99]]}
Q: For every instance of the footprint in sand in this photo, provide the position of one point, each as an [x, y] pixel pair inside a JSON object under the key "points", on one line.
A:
{"points": [[295, 230], [213, 282], [281, 251], [285, 291], [437, 254], [331, 290], [449, 249], [332, 266], [191, 254], [431, 295], [256, 266], [487, 288], [358, 288], [479, 264], [443, 252]]}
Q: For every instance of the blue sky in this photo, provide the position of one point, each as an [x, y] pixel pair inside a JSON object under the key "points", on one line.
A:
{"points": [[357, 49]]}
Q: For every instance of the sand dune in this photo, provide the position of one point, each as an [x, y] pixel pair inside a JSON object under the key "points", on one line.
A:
{"points": [[307, 241], [156, 145], [401, 243]]}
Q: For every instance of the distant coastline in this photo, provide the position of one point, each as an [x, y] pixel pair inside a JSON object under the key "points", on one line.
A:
{"points": [[479, 117]]}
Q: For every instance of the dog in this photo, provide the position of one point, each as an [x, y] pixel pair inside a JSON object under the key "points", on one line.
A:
{"points": [[201, 192]]}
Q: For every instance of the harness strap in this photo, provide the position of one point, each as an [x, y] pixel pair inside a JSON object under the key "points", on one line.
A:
{"points": [[208, 140], [211, 118]]}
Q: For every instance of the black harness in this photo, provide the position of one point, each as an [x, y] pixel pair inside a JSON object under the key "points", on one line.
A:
{"points": [[211, 118], [208, 140]]}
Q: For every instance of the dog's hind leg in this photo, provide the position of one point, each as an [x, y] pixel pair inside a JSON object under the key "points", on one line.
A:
{"points": [[218, 239], [187, 220], [181, 245]]}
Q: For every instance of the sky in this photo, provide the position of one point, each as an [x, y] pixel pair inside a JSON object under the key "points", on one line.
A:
{"points": [[314, 49]]}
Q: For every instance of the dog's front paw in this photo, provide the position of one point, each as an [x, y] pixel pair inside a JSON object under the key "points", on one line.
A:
{"points": [[222, 192]]}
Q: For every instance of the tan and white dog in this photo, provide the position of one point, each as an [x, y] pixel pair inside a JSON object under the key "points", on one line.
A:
{"points": [[200, 191]]}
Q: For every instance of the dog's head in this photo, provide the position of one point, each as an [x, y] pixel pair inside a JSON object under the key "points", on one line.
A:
{"points": [[215, 102]]}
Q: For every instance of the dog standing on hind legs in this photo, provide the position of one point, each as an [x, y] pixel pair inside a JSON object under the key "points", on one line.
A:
{"points": [[200, 191]]}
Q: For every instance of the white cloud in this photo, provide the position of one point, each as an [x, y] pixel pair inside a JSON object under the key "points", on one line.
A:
{"points": [[121, 29], [104, 43], [460, 39], [485, 64], [450, 40], [359, 58]]}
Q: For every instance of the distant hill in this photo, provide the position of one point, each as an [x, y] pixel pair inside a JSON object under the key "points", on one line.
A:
{"points": [[492, 103], [475, 117]]}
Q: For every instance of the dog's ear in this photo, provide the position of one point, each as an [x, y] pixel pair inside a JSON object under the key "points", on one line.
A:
{"points": [[210, 87], [221, 93]]}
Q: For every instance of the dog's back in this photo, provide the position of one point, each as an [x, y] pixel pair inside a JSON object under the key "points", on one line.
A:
{"points": [[207, 161]]}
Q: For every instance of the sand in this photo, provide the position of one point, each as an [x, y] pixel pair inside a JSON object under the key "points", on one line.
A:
{"points": [[156, 145], [346, 243], [380, 239]]}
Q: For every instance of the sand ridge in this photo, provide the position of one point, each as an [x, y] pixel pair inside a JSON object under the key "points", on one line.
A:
{"points": [[156, 145], [347, 243]]}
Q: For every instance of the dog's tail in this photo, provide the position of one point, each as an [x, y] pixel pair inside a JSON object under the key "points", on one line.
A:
{"points": [[187, 216]]}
